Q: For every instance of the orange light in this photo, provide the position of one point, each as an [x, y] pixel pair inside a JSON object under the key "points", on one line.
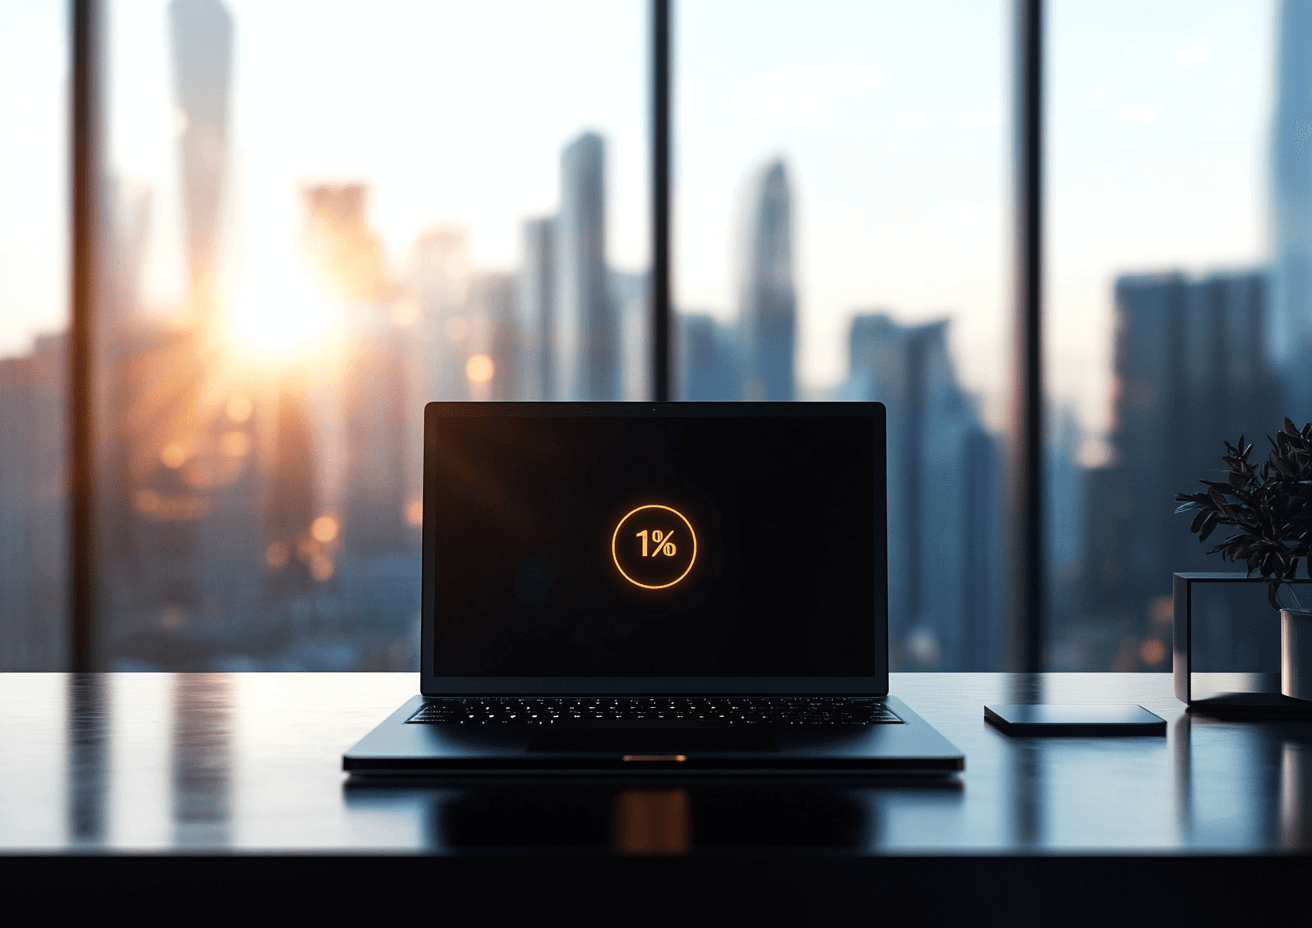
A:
{"points": [[1152, 652], [321, 568], [479, 368], [147, 500], [239, 408], [615, 537], [414, 511], [174, 456], [277, 555], [235, 444], [194, 475], [324, 529], [405, 313], [652, 821]]}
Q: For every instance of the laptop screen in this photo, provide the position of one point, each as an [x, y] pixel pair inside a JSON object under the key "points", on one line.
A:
{"points": [[618, 541]]}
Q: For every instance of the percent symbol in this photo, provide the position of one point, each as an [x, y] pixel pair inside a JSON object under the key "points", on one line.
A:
{"points": [[662, 541], [663, 545]]}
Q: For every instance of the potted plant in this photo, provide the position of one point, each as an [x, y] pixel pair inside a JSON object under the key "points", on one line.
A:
{"points": [[1269, 507]]}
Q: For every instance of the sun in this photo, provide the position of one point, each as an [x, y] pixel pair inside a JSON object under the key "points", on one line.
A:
{"points": [[283, 315]]}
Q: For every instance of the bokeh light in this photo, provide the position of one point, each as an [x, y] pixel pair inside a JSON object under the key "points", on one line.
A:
{"points": [[479, 369]]}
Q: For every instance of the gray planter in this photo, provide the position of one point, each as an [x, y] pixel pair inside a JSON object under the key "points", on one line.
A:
{"points": [[1296, 654]]}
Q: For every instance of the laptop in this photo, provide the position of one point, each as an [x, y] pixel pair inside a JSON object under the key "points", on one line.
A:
{"points": [[671, 588]]}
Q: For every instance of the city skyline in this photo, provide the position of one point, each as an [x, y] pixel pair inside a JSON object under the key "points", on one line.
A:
{"points": [[1192, 87], [280, 498]]}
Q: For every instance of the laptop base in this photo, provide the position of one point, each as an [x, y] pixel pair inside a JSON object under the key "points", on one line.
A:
{"points": [[398, 749]]}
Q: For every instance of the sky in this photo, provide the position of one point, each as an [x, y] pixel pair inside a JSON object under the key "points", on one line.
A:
{"points": [[891, 117]]}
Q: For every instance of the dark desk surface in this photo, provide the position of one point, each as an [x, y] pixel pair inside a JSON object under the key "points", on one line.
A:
{"points": [[251, 763], [247, 762]]}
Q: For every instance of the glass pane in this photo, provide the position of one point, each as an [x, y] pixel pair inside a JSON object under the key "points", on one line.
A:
{"points": [[1176, 292], [326, 216], [34, 245], [839, 229]]}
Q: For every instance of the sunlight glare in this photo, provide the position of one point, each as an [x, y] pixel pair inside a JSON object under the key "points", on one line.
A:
{"points": [[283, 316]]}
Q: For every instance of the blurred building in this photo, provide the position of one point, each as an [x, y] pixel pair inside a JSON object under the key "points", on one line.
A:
{"points": [[1190, 371], [181, 505], [587, 332], [1289, 333], [290, 502], [706, 364], [33, 513], [944, 557], [374, 391], [346, 255], [767, 297], [494, 316], [630, 295], [439, 282], [200, 33], [537, 313], [1064, 489]]}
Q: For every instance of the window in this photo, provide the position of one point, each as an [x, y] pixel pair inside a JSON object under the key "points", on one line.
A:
{"points": [[314, 218]]}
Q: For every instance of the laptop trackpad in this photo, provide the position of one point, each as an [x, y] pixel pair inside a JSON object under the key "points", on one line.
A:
{"points": [[653, 740]]}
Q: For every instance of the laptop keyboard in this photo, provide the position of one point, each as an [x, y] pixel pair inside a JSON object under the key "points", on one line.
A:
{"points": [[774, 711]]}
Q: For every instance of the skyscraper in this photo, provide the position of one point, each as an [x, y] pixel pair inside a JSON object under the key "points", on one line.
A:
{"points": [[943, 497], [33, 563], [1189, 372], [768, 300], [1289, 334], [587, 334], [537, 315], [375, 392], [494, 315], [182, 512], [439, 278], [201, 34], [630, 294], [347, 256], [707, 369], [291, 492]]}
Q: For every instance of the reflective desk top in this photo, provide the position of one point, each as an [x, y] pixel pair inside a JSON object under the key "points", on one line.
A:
{"points": [[251, 763]]}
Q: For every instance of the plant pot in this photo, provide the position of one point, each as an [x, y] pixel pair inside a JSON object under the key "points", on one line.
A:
{"points": [[1296, 654]]}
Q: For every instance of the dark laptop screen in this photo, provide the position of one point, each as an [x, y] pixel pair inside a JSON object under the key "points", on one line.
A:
{"points": [[643, 546]]}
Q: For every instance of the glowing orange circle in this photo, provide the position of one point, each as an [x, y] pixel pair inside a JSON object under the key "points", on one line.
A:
{"points": [[615, 557]]}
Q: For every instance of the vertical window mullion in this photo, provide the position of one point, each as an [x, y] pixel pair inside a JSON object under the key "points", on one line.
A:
{"points": [[1025, 478], [660, 199], [84, 192]]}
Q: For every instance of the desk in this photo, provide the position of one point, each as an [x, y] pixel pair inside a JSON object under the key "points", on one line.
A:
{"points": [[106, 773]]}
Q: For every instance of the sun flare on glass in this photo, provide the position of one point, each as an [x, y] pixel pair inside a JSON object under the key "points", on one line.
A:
{"points": [[284, 316]]}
